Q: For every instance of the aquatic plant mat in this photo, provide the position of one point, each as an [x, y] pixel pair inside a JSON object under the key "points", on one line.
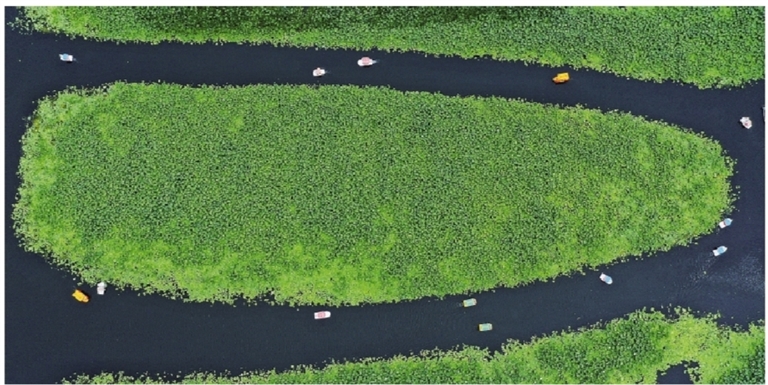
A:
{"points": [[625, 351], [342, 194], [707, 46]]}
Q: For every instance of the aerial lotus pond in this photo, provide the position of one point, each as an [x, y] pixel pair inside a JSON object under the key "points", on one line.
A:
{"points": [[706, 46], [347, 195]]}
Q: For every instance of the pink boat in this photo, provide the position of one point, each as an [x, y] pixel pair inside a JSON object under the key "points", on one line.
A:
{"points": [[322, 314], [366, 62]]}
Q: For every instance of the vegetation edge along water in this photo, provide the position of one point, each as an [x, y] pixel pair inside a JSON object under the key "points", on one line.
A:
{"points": [[346, 195], [628, 350], [698, 45]]}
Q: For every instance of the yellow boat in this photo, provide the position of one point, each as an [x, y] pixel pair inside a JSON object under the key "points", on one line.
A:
{"points": [[561, 78], [80, 296]]}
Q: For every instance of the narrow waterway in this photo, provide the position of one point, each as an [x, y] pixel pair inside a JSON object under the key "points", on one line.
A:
{"points": [[50, 336]]}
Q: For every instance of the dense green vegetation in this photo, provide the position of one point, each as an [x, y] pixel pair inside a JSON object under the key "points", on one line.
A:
{"points": [[629, 350], [744, 361], [707, 46], [338, 195]]}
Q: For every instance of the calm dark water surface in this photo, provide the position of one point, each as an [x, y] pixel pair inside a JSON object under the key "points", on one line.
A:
{"points": [[50, 336]]}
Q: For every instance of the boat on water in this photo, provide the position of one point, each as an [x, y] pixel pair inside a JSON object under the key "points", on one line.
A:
{"points": [[561, 78], [80, 296], [318, 72], [101, 288], [366, 62]]}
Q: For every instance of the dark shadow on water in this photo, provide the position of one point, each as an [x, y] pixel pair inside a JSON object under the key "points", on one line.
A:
{"points": [[50, 336]]}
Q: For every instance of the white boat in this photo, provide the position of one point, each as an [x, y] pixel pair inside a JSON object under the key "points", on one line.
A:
{"points": [[66, 57], [746, 122], [469, 302], [719, 251], [322, 314], [318, 72], [725, 223], [606, 278], [101, 288]]}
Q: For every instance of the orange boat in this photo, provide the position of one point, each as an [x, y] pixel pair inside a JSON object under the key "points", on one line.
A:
{"points": [[80, 296], [561, 78]]}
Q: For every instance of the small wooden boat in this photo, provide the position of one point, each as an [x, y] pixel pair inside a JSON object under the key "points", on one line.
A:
{"points": [[561, 78], [322, 314], [746, 122], [485, 327], [469, 302], [80, 296]]}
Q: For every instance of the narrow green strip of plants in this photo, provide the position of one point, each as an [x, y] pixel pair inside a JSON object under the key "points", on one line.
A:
{"points": [[625, 351], [706, 46], [341, 194]]}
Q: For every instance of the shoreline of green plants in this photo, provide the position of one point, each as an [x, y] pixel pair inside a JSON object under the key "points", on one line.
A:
{"points": [[697, 45], [627, 350], [345, 195]]}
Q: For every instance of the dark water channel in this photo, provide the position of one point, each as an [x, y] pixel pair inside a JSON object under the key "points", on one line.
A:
{"points": [[49, 336]]}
